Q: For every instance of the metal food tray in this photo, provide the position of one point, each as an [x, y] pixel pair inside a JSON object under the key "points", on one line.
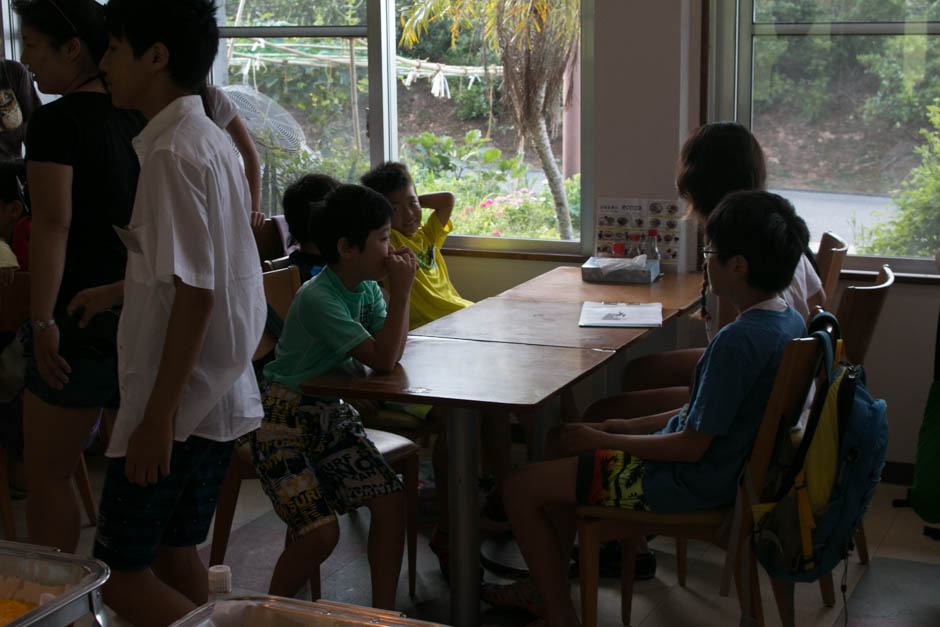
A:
{"points": [[82, 576], [270, 611]]}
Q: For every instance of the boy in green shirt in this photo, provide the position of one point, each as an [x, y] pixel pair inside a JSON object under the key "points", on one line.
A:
{"points": [[312, 453]]}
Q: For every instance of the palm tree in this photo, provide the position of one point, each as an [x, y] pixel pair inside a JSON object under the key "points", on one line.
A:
{"points": [[534, 39]]}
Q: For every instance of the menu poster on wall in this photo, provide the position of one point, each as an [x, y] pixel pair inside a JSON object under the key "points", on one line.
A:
{"points": [[617, 218]]}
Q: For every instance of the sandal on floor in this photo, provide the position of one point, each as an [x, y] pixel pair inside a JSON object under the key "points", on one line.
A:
{"points": [[523, 594]]}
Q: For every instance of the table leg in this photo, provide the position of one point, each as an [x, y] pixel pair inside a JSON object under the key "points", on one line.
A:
{"points": [[463, 449], [546, 417]]}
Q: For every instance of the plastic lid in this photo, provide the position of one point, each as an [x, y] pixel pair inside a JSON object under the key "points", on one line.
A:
{"points": [[220, 578], [635, 235], [652, 232]]}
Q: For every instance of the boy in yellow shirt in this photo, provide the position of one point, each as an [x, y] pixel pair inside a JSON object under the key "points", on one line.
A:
{"points": [[433, 295]]}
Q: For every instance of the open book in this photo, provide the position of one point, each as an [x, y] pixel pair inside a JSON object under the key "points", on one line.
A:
{"points": [[621, 315]]}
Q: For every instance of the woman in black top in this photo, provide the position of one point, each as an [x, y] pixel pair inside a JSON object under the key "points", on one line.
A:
{"points": [[82, 173]]}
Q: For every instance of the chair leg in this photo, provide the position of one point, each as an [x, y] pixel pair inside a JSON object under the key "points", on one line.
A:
{"points": [[861, 543], [315, 585], [827, 590], [6, 503], [627, 573], [783, 595], [589, 557], [225, 512], [84, 491], [682, 550], [410, 475], [756, 610]]}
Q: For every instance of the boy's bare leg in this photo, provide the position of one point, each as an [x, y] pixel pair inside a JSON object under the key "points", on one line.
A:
{"points": [[54, 438], [302, 558], [142, 599], [386, 545], [529, 491], [181, 568]]}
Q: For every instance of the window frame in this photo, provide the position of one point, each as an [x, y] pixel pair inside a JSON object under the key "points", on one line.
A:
{"points": [[730, 70]]}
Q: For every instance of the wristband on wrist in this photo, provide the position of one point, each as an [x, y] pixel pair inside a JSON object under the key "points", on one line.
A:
{"points": [[41, 325]]}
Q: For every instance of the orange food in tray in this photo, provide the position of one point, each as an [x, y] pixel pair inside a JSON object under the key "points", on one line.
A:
{"points": [[10, 610]]}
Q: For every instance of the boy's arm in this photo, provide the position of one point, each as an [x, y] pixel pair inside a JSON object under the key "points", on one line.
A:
{"points": [[687, 445], [383, 351], [148, 450], [246, 148], [637, 426], [441, 202]]}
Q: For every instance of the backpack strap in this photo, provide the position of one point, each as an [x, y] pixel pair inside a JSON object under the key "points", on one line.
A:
{"points": [[820, 321]]}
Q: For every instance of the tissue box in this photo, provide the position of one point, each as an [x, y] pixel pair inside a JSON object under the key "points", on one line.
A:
{"points": [[604, 270]]}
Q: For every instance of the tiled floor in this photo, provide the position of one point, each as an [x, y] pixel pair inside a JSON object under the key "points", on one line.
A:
{"points": [[899, 587]]}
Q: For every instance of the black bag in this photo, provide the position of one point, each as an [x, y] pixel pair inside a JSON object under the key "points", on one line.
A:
{"points": [[96, 340]]}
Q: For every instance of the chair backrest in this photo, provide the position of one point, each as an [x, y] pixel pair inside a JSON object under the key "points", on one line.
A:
{"points": [[801, 362], [14, 302], [829, 259], [858, 312], [275, 264], [268, 240], [279, 289]]}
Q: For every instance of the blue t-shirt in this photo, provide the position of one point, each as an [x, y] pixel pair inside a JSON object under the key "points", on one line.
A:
{"points": [[325, 321], [733, 380]]}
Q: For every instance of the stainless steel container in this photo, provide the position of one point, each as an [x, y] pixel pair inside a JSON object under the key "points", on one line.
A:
{"points": [[268, 611], [81, 578]]}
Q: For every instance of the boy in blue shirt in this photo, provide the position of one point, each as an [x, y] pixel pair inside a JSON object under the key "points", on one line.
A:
{"points": [[312, 453], [678, 463]]}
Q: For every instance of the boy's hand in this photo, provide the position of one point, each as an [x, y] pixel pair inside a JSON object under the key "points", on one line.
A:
{"points": [[401, 266], [578, 438], [616, 425], [148, 451], [95, 300], [256, 219]]}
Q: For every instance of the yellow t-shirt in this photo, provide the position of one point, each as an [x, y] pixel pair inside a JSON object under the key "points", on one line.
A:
{"points": [[432, 295]]}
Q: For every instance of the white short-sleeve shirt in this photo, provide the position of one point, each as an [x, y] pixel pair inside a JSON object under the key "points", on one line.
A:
{"points": [[220, 106], [190, 220]]}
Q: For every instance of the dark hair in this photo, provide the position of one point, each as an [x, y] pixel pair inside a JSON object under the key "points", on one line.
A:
{"points": [[350, 211], [186, 27], [300, 200], [716, 159], [764, 229], [388, 177], [61, 20], [13, 182]]}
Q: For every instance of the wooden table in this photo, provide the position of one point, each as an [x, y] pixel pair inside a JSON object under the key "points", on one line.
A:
{"points": [[464, 376], [538, 322], [564, 285]]}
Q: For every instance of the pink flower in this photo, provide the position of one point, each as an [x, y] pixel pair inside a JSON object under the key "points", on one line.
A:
{"points": [[499, 212], [497, 232], [467, 208]]}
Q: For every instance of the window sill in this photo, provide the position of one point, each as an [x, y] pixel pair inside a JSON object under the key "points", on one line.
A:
{"points": [[571, 258], [906, 278]]}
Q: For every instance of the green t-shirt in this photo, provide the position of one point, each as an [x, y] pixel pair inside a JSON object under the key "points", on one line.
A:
{"points": [[323, 324]]}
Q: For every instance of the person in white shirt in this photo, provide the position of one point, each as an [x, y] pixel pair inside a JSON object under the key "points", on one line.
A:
{"points": [[193, 314]]}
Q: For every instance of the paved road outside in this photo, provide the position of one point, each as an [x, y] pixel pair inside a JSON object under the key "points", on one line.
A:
{"points": [[825, 211]]}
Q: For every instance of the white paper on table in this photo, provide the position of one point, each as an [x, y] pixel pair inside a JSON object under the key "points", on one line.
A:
{"points": [[594, 314]]}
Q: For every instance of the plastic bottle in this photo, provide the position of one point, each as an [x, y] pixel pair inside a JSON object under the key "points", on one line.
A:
{"points": [[652, 249], [633, 248], [220, 582]]}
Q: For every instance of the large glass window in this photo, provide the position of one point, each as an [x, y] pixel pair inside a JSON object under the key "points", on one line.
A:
{"points": [[483, 111], [844, 96]]}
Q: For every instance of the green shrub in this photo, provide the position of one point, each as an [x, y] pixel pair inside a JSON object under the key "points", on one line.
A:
{"points": [[915, 229]]}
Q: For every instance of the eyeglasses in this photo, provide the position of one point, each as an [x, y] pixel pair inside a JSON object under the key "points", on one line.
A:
{"points": [[64, 17], [708, 251]]}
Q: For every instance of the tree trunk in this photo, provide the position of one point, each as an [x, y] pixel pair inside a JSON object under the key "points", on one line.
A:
{"points": [[538, 132]]}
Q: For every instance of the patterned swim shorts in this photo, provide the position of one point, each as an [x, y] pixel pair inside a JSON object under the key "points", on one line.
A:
{"points": [[611, 478], [315, 460]]}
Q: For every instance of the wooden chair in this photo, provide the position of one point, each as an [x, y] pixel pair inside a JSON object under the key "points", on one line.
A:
{"points": [[14, 309], [268, 240], [400, 453], [829, 259], [801, 362]]}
